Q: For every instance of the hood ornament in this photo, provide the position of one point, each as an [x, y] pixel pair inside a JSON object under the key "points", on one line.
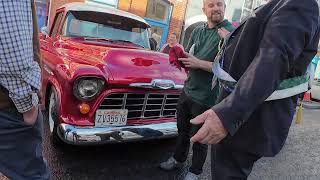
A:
{"points": [[158, 84]]}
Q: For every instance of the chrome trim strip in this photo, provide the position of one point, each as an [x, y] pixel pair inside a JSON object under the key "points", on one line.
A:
{"points": [[158, 84], [163, 104], [91, 135], [124, 101], [144, 105]]}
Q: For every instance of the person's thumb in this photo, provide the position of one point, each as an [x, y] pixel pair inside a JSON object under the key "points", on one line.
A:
{"points": [[199, 119]]}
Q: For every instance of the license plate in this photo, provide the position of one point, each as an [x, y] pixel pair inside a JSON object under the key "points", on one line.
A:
{"points": [[111, 117]]}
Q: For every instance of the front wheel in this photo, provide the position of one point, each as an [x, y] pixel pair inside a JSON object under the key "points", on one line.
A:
{"points": [[53, 121]]}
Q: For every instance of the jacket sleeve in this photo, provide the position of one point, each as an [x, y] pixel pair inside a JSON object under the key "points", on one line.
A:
{"points": [[287, 32]]}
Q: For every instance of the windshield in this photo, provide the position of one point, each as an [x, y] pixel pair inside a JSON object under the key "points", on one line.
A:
{"points": [[106, 26]]}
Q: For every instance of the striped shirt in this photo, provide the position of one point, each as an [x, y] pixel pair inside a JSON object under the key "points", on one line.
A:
{"points": [[19, 73]]}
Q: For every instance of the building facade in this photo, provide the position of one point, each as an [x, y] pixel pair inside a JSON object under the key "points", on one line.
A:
{"points": [[164, 16]]}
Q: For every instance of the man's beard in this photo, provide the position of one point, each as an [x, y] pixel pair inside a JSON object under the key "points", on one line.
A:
{"points": [[216, 17]]}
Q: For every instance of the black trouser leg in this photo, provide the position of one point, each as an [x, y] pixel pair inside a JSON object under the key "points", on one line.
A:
{"points": [[198, 157], [183, 124], [227, 164], [186, 110], [199, 150]]}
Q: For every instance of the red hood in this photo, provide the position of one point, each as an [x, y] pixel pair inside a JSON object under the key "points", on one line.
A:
{"points": [[133, 65], [126, 64]]}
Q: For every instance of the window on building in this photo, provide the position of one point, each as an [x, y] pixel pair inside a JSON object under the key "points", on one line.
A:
{"points": [[158, 10]]}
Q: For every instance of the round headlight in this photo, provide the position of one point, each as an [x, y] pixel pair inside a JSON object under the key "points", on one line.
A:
{"points": [[87, 88]]}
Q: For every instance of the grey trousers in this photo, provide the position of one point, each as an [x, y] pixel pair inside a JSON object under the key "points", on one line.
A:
{"points": [[21, 147]]}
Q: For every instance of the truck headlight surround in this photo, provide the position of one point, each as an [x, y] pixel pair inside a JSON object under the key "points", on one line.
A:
{"points": [[87, 88]]}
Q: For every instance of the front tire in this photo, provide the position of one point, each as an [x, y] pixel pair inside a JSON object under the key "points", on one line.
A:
{"points": [[53, 121]]}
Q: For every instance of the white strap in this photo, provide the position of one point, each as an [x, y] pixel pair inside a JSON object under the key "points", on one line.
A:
{"points": [[285, 93]]}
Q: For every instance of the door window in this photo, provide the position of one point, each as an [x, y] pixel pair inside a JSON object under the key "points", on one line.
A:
{"points": [[56, 24]]}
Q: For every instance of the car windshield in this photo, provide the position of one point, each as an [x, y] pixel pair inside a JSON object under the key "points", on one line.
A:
{"points": [[109, 27]]}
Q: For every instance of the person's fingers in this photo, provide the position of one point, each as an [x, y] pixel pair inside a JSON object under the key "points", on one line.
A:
{"points": [[213, 140], [188, 55], [185, 62], [40, 96], [30, 116], [208, 139], [199, 119], [183, 59], [201, 134], [223, 29]]}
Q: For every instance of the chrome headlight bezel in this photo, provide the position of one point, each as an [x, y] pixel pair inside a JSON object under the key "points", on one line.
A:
{"points": [[84, 94]]}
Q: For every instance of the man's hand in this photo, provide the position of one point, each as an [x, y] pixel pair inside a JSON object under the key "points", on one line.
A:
{"points": [[195, 63], [223, 32], [40, 96], [190, 61], [30, 117], [212, 131]]}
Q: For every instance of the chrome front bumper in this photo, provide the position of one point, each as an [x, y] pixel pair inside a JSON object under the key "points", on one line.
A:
{"points": [[77, 135]]}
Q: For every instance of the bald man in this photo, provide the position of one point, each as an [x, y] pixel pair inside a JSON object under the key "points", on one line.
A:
{"points": [[261, 70], [198, 95]]}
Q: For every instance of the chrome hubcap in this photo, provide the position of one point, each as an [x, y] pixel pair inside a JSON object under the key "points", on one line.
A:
{"points": [[52, 107]]}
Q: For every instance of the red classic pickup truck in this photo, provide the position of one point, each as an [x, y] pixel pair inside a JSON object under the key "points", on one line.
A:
{"points": [[101, 82]]}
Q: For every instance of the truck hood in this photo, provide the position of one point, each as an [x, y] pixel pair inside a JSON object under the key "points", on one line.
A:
{"points": [[141, 66], [123, 64]]}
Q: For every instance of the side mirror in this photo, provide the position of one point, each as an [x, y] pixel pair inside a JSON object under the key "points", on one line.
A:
{"points": [[44, 31]]}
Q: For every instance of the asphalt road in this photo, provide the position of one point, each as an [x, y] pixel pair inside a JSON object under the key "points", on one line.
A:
{"points": [[131, 161], [299, 159]]}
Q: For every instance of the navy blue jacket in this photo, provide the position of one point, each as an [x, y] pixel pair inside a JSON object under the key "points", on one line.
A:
{"points": [[276, 42]]}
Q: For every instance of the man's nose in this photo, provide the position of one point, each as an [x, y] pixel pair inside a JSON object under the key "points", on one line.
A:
{"points": [[215, 8]]}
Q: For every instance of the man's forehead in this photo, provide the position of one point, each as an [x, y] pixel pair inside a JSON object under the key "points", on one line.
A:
{"points": [[212, 1]]}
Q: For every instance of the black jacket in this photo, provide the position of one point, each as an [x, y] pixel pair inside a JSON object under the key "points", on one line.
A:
{"points": [[276, 42]]}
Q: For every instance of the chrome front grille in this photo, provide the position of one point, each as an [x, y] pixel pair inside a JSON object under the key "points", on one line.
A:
{"points": [[143, 106]]}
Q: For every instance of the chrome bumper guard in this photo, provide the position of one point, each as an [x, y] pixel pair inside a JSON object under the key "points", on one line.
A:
{"points": [[77, 135]]}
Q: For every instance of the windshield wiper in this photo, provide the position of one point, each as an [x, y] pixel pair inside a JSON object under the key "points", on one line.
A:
{"points": [[126, 41], [95, 38], [111, 40]]}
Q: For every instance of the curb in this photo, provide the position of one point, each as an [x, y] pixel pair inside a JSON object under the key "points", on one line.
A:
{"points": [[310, 105]]}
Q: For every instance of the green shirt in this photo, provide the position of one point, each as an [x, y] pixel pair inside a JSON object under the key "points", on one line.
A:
{"points": [[198, 84]]}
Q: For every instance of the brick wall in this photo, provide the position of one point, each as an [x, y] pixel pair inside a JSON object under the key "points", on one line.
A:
{"points": [[178, 15]]}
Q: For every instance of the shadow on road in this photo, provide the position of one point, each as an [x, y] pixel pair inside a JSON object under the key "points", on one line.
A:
{"points": [[130, 161]]}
